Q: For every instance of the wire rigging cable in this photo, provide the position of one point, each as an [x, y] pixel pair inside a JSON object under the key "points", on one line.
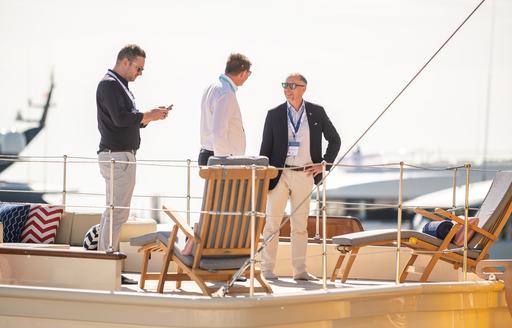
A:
{"points": [[224, 289]]}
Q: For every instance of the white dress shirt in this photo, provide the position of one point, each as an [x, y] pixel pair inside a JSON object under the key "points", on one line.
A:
{"points": [[221, 121], [304, 155]]}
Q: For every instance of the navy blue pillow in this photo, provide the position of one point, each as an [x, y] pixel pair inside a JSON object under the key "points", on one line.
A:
{"points": [[13, 218], [91, 238], [438, 229]]}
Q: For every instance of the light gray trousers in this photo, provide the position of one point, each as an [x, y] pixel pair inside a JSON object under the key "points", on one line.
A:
{"points": [[295, 186], [124, 183]]}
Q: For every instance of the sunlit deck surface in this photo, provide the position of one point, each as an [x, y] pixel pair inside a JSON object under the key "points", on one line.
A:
{"points": [[282, 286]]}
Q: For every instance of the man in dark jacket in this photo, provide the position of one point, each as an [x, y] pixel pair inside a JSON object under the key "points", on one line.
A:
{"points": [[292, 140]]}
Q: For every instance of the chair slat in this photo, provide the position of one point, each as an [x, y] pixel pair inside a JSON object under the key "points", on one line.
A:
{"points": [[219, 222], [245, 219], [232, 208]]}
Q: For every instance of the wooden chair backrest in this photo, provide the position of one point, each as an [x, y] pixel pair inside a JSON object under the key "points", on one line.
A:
{"points": [[495, 209], [224, 224]]}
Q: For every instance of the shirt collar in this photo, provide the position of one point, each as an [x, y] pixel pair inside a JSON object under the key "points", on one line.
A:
{"points": [[292, 109], [122, 79], [228, 79]]}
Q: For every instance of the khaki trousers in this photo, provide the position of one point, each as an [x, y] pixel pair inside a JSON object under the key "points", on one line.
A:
{"points": [[124, 183], [295, 186]]}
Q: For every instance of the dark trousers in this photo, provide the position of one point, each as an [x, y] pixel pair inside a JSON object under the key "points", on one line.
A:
{"points": [[204, 154]]}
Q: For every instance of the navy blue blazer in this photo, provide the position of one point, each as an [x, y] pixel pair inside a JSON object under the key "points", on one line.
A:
{"points": [[275, 137]]}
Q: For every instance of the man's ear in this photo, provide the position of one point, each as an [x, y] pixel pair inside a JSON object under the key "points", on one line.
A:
{"points": [[125, 62]]}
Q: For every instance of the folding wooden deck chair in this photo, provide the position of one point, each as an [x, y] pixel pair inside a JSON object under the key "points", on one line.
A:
{"points": [[222, 241], [493, 215]]}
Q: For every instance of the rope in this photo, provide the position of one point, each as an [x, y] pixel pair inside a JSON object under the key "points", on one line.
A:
{"points": [[223, 290]]}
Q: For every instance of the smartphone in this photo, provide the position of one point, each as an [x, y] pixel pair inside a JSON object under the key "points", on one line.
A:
{"points": [[170, 107]]}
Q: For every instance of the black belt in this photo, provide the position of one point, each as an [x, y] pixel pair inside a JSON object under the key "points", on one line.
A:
{"points": [[206, 151], [296, 168], [106, 150]]}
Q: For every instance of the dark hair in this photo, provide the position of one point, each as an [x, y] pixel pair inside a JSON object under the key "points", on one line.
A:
{"points": [[300, 76], [237, 63], [131, 51]]}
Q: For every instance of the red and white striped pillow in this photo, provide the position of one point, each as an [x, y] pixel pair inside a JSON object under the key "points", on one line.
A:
{"points": [[42, 224]]}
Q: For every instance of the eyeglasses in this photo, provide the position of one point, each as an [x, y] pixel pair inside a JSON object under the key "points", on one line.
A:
{"points": [[139, 68], [292, 85]]}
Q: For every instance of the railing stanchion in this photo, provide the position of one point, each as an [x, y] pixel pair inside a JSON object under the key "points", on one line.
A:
{"points": [[324, 230], [253, 227], [318, 207], [454, 195], [467, 166], [399, 223], [111, 226], [64, 180], [188, 191]]}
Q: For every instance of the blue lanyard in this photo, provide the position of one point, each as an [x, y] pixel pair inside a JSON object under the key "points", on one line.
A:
{"points": [[295, 126], [222, 78]]}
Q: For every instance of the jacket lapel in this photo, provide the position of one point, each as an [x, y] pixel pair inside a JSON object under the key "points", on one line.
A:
{"points": [[283, 121], [311, 121]]}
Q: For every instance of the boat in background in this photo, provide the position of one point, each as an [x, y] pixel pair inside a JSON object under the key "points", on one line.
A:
{"points": [[13, 142]]}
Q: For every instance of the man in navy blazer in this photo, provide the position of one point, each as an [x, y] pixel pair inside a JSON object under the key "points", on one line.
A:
{"points": [[292, 140]]}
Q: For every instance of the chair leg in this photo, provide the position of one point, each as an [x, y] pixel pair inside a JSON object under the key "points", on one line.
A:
{"points": [[178, 281], [200, 282], [429, 267], [350, 262], [263, 283], [144, 269], [337, 267], [193, 276], [165, 267], [410, 263]]}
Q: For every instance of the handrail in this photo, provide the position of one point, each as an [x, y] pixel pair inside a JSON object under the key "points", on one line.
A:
{"points": [[322, 207], [67, 161]]}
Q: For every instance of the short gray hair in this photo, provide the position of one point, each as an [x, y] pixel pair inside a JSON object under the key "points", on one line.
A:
{"points": [[300, 76]]}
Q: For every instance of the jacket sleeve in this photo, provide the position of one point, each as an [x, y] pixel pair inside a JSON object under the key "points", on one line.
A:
{"points": [[268, 137], [333, 140]]}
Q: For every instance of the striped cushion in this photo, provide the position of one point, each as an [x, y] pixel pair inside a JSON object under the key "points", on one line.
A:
{"points": [[13, 218], [91, 238], [42, 224]]}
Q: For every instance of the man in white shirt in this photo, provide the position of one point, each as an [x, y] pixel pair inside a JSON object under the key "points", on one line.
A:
{"points": [[222, 132]]}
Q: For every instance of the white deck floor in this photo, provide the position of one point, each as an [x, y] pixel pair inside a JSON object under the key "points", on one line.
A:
{"points": [[282, 286]]}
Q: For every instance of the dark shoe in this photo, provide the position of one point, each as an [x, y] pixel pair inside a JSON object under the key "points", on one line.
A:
{"points": [[128, 281], [241, 279]]}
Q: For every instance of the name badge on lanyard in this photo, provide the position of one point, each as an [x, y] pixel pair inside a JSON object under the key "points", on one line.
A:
{"points": [[293, 146]]}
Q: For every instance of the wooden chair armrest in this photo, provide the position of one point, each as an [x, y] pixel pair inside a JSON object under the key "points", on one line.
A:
{"points": [[461, 222], [178, 220], [428, 215]]}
